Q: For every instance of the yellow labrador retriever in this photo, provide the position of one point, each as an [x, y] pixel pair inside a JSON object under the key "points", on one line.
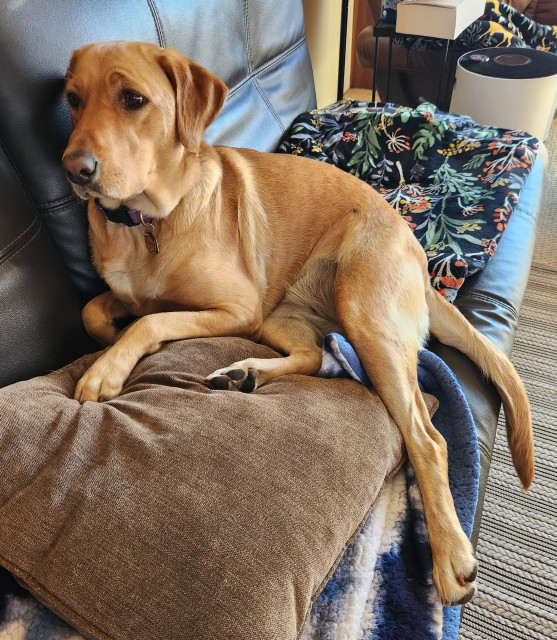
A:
{"points": [[195, 240]]}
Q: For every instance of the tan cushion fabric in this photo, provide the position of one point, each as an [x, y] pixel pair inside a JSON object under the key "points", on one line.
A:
{"points": [[174, 511]]}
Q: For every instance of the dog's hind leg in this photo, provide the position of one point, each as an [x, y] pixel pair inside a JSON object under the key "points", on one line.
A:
{"points": [[286, 331], [383, 311]]}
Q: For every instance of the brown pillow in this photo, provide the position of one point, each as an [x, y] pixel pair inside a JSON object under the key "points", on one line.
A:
{"points": [[174, 511]]}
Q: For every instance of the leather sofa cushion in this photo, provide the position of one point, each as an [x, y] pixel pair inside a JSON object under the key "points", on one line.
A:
{"points": [[174, 508]]}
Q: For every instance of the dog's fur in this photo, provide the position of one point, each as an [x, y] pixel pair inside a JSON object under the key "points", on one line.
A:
{"points": [[275, 248]]}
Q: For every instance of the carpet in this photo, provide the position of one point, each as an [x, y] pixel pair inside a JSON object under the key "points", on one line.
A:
{"points": [[517, 546]]}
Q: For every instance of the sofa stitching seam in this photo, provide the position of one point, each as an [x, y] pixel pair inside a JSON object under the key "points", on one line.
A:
{"points": [[267, 102], [254, 74], [490, 299], [248, 40], [36, 223], [278, 59], [15, 240], [158, 23], [54, 203], [36, 220], [53, 208]]}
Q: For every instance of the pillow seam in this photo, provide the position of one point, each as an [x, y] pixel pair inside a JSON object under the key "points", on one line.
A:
{"points": [[64, 611]]}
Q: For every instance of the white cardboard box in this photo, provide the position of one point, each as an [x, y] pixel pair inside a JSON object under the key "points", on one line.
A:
{"points": [[437, 18]]}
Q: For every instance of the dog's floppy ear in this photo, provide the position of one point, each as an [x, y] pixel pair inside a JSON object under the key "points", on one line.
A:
{"points": [[199, 96], [69, 71], [76, 54]]}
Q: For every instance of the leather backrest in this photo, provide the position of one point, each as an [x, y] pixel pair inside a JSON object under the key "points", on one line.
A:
{"points": [[256, 46]]}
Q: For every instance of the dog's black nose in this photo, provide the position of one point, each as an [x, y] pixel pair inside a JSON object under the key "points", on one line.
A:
{"points": [[81, 167]]}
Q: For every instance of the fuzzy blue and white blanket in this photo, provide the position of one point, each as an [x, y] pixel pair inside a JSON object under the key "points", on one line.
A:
{"points": [[383, 587]]}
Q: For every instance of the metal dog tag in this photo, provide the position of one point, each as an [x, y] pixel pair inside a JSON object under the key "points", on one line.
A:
{"points": [[149, 236]]}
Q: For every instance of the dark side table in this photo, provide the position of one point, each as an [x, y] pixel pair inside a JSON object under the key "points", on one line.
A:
{"points": [[384, 30]]}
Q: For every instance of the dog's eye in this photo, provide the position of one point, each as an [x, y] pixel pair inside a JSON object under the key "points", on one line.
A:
{"points": [[73, 100], [133, 100]]}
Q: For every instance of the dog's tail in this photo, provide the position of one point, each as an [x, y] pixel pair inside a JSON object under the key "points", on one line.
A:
{"points": [[449, 326]]}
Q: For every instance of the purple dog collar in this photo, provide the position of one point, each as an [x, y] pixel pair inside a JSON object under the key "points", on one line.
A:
{"points": [[123, 215]]}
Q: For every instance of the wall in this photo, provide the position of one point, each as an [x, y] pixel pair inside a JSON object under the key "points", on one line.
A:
{"points": [[323, 19]]}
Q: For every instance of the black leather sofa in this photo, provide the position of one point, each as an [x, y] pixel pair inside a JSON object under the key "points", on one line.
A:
{"points": [[258, 48]]}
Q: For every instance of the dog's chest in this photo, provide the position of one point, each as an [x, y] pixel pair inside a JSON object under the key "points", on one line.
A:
{"points": [[137, 287], [168, 281], [134, 275], [185, 275]]}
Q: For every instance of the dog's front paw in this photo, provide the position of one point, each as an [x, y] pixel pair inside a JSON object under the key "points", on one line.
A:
{"points": [[454, 572], [102, 381]]}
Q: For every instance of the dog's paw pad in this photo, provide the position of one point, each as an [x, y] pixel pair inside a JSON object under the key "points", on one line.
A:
{"points": [[233, 380], [219, 382], [238, 375]]}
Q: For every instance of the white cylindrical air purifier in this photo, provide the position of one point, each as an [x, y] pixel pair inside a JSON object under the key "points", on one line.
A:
{"points": [[511, 88]]}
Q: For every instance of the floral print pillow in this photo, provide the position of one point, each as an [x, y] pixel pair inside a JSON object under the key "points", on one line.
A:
{"points": [[455, 182]]}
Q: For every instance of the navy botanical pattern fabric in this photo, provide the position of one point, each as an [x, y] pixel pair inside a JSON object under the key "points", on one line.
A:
{"points": [[455, 182], [500, 26]]}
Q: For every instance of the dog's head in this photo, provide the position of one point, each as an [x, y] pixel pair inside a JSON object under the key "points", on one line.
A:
{"points": [[138, 114]]}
